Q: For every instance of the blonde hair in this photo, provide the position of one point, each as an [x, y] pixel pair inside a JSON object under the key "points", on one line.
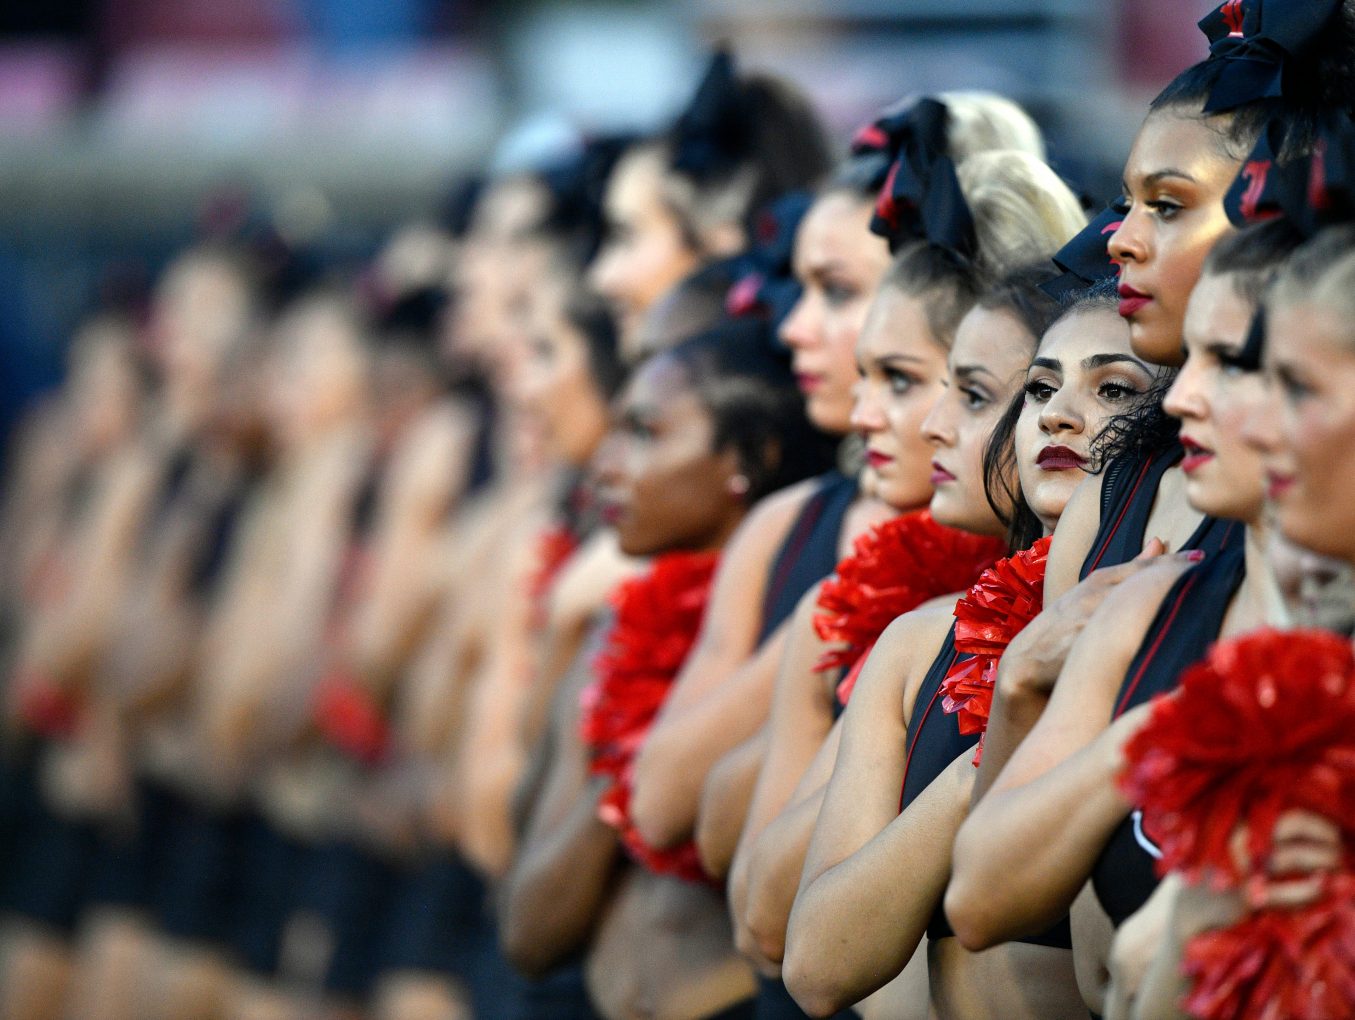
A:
{"points": [[1023, 212], [982, 121]]}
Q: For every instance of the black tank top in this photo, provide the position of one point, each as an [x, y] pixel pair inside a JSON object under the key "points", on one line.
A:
{"points": [[1187, 623], [1127, 495], [809, 553]]}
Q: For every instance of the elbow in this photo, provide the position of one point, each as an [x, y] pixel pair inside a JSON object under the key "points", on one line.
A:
{"points": [[528, 939], [653, 802], [766, 926], [812, 990], [972, 918]]}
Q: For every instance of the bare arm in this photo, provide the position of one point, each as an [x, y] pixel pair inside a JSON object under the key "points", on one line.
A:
{"points": [[1073, 538], [1030, 843], [873, 877], [724, 803], [562, 874], [769, 872]]}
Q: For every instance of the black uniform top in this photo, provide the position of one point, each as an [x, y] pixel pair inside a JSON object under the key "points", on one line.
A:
{"points": [[809, 553], [1187, 623], [1127, 495], [934, 741]]}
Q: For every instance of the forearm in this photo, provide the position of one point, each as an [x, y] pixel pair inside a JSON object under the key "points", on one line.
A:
{"points": [[557, 887], [776, 861], [724, 805], [856, 925], [679, 752], [1025, 852]]}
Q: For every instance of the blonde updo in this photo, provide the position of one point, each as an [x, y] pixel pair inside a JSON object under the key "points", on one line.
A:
{"points": [[1023, 212], [983, 121]]}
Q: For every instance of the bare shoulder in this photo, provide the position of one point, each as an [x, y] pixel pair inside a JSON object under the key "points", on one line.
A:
{"points": [[902, 656]]}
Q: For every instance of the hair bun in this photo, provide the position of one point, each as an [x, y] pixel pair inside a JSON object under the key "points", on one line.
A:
{"points": [[713, 134], [1256, 40]]}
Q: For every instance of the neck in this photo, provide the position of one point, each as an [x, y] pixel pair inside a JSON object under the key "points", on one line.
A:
{"points": [[1259, 596]]}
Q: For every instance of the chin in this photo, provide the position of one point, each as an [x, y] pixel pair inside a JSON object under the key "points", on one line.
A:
{"points": [[1148, 343], [1318, 535]]}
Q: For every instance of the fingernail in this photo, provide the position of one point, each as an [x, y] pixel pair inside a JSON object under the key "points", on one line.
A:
{"points": [[1195, 555]]}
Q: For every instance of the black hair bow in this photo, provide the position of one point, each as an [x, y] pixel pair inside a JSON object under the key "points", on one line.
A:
{"points": [[921, 197], [766, 287], [1310, 193], [1255, 39], [575, 186], [711, 136], [1085, 260]]}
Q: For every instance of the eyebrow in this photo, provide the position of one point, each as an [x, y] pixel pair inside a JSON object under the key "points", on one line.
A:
{"points": [[1100, 360], [1157, 176], [972, 370], [886, 359]]}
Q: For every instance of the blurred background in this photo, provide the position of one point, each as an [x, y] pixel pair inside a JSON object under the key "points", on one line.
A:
{"points": [[128, 125]]}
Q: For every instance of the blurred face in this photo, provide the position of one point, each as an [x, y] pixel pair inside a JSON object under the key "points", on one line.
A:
{"points": [[489, 276], [1212, 397], [319, 376], [1083, 373], [839, 263], [902, 369], [986, 367], [557, 385], [1305, 426], [662, 483], [201, 310], [1174, 181], [645, 253]]}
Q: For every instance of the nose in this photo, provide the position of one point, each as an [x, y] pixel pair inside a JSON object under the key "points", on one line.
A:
{"points": [[938, 428], [606, 273], [867, 409], [1061, 415], [1186, 398], [609, 460], [803, 325], [1129, 243]]}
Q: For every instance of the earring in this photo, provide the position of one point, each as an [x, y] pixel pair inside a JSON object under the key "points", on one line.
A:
{"points": [[738, 485]]}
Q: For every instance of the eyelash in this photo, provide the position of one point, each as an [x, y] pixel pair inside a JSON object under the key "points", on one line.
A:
{"points": [[900, 381], [1041, 390], [1165, 210], [975, 399]]}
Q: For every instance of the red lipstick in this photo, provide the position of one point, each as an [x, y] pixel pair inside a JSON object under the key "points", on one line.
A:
{"points": [[1060, 458], [876, 459], [807, 382], [1131, 300], [940, 475], [1196, 455]]}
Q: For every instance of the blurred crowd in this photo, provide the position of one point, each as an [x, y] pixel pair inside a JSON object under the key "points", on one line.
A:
{"points": [[477, 631]]}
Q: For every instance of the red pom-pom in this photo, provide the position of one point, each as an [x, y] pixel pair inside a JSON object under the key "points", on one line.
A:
{"points": [[1279, 964], [554, 548], [894, 568], [1264, 725], [349, 717], [1004, 600], [658, 617]]}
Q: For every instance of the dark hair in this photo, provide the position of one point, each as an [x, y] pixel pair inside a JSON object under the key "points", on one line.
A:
{"points": [[783, 148], [947, 282], [746, 384], [1018, 294], [1317, 79], [1252, 255], [592, 317], [694, 305]]}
